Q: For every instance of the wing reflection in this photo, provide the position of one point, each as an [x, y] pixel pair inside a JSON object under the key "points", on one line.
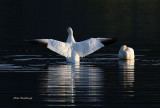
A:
{"points": [[71, 83]]}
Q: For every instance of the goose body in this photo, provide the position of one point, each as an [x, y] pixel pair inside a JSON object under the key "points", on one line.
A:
{"points": [[71, 49], [126, 53]]}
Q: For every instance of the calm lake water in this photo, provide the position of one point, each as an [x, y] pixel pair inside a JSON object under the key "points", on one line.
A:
{"points": [[30, 78]]}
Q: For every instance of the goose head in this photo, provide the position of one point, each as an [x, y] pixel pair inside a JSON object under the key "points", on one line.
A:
{"points": [[70, 31], [70, 38], [123, 47]]}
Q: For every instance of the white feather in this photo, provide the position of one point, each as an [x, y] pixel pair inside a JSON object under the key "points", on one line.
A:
{"points": [[87, 47], [59, 47]]}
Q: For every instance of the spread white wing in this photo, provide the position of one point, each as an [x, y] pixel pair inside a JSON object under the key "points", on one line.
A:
{"points": [[59, 47], [87, 47], [91, 45]]}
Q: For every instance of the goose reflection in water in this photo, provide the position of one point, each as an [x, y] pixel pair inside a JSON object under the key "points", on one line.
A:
{"points": [[127, 77], [126, 68], [71, 83]]}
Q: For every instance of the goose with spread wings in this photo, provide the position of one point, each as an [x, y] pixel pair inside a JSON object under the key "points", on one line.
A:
{"points": [[71, 49]]}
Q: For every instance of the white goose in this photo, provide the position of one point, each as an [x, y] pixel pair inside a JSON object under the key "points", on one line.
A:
{"points": [[126, 53], [71, 49]]}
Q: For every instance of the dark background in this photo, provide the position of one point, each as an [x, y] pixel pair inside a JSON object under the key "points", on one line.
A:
{"points": [[133, 22]]}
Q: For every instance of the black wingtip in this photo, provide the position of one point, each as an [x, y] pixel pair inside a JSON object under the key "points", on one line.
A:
{"points": [[108, 41], [36, 42]]}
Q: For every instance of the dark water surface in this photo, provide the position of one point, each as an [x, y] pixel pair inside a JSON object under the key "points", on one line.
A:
{"points": [[32, 80]]}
